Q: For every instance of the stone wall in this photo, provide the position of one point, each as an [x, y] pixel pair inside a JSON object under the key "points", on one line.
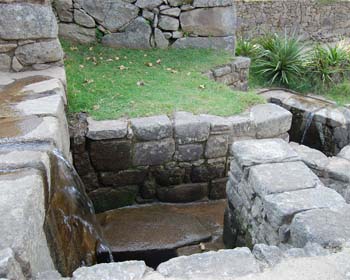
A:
{"points": [[146, 24], [275, 199], [317, 123], [28, 36], [310, 19], [178, 159]]}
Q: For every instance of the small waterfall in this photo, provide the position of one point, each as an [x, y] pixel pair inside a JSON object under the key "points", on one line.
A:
{"points": [[71, 226], [308, 122]]}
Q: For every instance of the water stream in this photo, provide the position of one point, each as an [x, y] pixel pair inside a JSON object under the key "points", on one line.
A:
{"points": [[71, 226], [308, 122]]}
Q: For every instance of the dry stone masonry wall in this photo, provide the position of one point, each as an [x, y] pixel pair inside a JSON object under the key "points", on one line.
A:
{"points": [[28, 36], [179, 159], [145, 24], [310, 19]]}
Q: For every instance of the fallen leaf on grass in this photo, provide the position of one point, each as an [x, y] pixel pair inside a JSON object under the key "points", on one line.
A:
{"points": [[159, 61], [96, 107], [149, 64], [122, 67], [140, 83], [201, 87], [88, 81]]}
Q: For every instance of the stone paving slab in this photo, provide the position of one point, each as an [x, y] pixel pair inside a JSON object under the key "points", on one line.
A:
{"points": [[252, 152]]}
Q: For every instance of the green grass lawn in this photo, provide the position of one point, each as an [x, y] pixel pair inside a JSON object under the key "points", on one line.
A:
{"points": [[109, 83]]}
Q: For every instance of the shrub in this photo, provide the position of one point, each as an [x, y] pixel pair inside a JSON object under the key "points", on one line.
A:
{"points": [[247, 48], [281, 59], [329, 64]]}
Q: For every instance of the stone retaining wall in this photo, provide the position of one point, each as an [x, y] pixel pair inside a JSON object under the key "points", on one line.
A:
{"points": [[318, 123], [275, 199], [310, 19], [28, 36], [144, 24], [178, 159]]}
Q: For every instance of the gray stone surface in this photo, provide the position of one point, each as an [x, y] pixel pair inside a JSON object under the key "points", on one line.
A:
{"points": [[338, 168], [18, 21], [252, 152], [217, 146], [222, 264], [329, 228], [131, 270], [148, 4], [152, 128], [22, 211], [5, 62], [189, 152], [83, 19], [40, 52], [168, 23], [64, 10], [345, 152], [271, 120], [153, 152], [77, 33], [183, 193], [211, 3], [160, 40], [281, 177], [271, 255], [102, 130], [9, 267], [190, 128], [135, 36], [209, 22], [226, 43]]}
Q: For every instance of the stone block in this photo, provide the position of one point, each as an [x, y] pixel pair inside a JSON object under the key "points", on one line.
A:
{"points": [[222, 264], [183, 193], [83, 19], [152, 128], [243, 125], [189, 152], [271, 120], [327, 227], [271, 255], [218, 188], [218, 124], [168, 23], [206, 172], [77, 33], [9, 267], [338, 169], [240, 63], [216, 146], [148, 4], [104, 130], [5, 62], [64, 9], [223, 70], [345, 153], [110, 155], [252, 152], [124, 177], [211, 3], [218, 21], [169, 174], [281, 177], [280, 208], [190, 128], [217, 43], [153, 152]]}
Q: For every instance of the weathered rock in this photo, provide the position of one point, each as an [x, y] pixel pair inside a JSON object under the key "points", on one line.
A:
{"points": [[327, 227], [183, 193], [271, 120], [338, 169], [18, 21], [281, 177], [218, 189], [153, 152], [103, 130], [219, 43], [168, 23], [124, 177], [5, 62], [110, 155], [40, 52], [218, 21], [83, 19], [148, 4], [345, 153], [135, 36], [16, 66], [49, 275], [77, 33], [211, 3], [160, 40], [152, 128], [6, 47], [130, 270], [175, 3], [190, 128], [9, 267], [271, 255], [222, 264], [252, 152], [64, 10], [243, 126], [189, 152], [174, 12], [217, 146]]}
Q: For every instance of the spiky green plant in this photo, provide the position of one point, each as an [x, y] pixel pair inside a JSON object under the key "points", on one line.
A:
{"points": [[247, 48]]}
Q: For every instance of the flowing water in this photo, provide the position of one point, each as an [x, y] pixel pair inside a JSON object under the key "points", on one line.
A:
{"points": [[308, 122], [71, 226]]}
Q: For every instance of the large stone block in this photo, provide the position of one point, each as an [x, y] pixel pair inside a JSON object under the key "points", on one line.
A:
{"points": [[40, 52], [64, 9], [252, 152], [217, 43], [110, 155], [189, 152], [77, 33], [190, 128], [211, 3], [22, 210], [152, 128], [338, 169], [135, 36], [19, 21], [124, 177], [103, 130], [271, 120], [281, 177], [168, 23], [345, 153], [329, 228], [217, 146], [153, 152], [219, 21], [221, 264]]}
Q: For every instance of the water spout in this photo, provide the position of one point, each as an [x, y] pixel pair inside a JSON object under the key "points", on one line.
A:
{"points": [[308, 122]]}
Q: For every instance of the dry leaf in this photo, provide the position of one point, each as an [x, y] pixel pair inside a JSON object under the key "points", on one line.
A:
{"points": [[201, 87], [81, 66], [159, 61], [88, 81], [140, 83], [91, 49], [96, 107], [149, 64], [122, 67], [117, 58]]}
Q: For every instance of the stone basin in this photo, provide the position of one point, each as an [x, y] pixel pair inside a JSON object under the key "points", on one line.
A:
{"points": [[153, 233]]}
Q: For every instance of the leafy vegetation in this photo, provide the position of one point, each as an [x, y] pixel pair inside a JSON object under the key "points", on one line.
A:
{"points": [[109, 83]]}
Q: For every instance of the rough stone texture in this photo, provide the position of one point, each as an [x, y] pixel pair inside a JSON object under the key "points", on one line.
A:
{"points": [[226, 43], [209, 22], [103, 130], [345, 152], [9, 267], [152, 128], [77, 33], [183, 193], [135, 36], [168, 23], [83, 19], [222, 264]]}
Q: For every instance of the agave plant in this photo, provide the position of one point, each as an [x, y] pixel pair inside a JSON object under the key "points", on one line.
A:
{"points": [[247, 48], [281, 59]]}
